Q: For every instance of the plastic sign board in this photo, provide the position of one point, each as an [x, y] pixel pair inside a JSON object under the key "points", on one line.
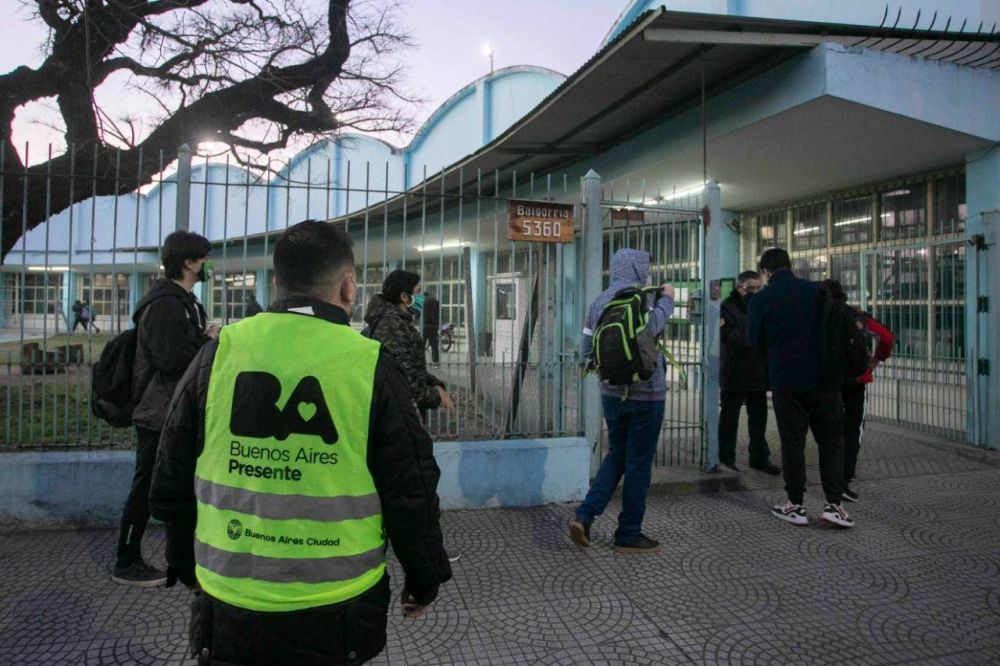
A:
{"points": [[540, 222]]}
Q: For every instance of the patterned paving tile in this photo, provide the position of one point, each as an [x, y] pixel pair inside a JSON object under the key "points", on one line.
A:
{"points": [[917, 581]]}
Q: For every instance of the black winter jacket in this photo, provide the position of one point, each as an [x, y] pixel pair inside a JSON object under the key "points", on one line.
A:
{"points": [[401, 461], [171, 330], [784, 322], [743, 368], [398, 333]]}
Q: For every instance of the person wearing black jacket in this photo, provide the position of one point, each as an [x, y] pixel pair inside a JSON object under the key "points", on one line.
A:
{"points": [[785, 323], [431, 324], [314, 275], [744, 381], [171, 329]]}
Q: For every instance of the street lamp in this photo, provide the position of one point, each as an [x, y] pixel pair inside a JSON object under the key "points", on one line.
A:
{"points": [[488, 51]]}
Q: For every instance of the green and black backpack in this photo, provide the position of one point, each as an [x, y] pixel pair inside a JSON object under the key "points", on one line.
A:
{"points": [[625, 351]]}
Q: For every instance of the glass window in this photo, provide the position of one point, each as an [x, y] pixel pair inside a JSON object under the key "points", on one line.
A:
{"points": [[846, 269], [772, 230], [909, 324], [903, 275], [949, 272], [949, 204], [809, 226], [107, 294], [903, 212], [32, 293], [810, 268], [949, 332], [229, 294], [852, 220], [506, 301]]}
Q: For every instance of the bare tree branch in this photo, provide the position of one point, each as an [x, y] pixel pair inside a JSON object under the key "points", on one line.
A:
{"points": [[251, 73]]}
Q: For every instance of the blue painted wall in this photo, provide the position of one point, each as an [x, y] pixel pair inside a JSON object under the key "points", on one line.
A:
{"points": [[60, 489]]}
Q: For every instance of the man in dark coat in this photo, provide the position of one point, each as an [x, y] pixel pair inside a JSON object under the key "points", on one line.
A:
{"points": [[744, 381], [785, 322], [314, 275], [171, 329], [432, 322], [391, 320]]}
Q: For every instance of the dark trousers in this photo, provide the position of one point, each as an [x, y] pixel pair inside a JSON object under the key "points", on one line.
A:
{"points": [[79, 322], [853, 396], [798, 412], [135, 515], [431, 336], [729, 421], [633, 431]]}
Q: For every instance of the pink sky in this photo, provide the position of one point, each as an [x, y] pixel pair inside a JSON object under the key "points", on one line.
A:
{"points": [[450, 35]]}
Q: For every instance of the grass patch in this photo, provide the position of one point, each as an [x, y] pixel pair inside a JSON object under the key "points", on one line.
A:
{"points": [[54, 414], [93, 345]]}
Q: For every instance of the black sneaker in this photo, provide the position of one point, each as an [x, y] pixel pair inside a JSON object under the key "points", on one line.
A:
{"points": [[729, 467], [454, 555], [851, 496], [835, 515], [139, 574], [579, 533], [767, 468], [641, 544]]}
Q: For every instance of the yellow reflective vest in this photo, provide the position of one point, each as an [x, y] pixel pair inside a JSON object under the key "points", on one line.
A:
{"points": [[288, 514]]}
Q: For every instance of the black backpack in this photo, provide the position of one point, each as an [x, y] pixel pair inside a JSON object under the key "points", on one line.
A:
{"points": [[846, 349], [111, 381], [625, 351]]}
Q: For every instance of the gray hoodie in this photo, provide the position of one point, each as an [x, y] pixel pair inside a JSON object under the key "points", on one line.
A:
{"points": [[630, 268]]}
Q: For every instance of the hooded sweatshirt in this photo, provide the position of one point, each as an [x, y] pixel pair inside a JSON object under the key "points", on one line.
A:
{"points": [[630, 268]]}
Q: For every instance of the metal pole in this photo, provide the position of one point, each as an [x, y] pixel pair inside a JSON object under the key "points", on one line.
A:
{"points": [[593, 236], [184, 188], [710, 360]]}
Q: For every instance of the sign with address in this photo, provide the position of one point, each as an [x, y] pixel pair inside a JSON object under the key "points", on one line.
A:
{"points": [[540, 221]]}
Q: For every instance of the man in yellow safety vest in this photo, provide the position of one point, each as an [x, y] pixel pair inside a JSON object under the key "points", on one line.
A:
{"points": [[290, 453]]}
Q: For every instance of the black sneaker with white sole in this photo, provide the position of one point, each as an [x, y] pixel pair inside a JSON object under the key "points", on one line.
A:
{"points": [[790, 513], [851, 496], [835, 515], [641, 544], [139, 574]]}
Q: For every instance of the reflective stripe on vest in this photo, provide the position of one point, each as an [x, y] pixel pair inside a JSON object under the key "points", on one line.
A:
{"points": [[288, 514]]}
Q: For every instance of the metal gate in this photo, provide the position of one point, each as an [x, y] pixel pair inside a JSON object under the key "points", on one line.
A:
{"points": [[918, 292], [514, 307], [669, 226]]}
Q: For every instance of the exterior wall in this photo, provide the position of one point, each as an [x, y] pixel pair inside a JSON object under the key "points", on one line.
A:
{"points": [[326, 180], [848, 12], [57, 489]]}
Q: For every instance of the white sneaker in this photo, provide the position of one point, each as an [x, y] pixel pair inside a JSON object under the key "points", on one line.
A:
{"points": [[791, 513], [835, 515]]}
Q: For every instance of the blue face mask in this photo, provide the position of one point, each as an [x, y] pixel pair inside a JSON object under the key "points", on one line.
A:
{"points": [[418, 304]]}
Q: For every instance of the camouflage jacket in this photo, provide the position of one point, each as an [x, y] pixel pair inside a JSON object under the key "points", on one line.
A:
{"points": [[398, 333]]}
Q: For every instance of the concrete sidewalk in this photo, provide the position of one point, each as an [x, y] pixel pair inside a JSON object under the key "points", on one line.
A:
{"points": [[917, 581]]}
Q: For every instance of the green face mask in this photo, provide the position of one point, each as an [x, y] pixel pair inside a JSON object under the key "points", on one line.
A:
{"points": [[205, 274], [418, 304]]}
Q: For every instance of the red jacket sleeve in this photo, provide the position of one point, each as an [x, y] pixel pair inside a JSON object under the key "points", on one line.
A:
{"points": [[885, 338]]}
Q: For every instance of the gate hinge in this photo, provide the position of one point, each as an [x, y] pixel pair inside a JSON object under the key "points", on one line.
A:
{"points": [[983, 367], [983, 304]]}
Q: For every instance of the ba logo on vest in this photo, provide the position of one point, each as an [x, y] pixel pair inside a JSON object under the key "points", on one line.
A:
{"points": [[256, 414]]}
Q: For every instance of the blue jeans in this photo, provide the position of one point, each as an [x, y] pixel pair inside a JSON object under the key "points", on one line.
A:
{"points": [[633, 430]]}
